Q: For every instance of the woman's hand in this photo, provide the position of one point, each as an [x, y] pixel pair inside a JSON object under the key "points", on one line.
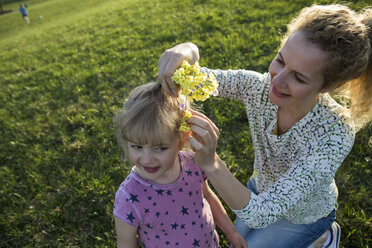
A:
{"points": [[170, 60], [204, 140], [237, 241]]}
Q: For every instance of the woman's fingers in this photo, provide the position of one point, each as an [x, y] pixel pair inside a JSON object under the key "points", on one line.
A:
{"points": [[170, 60], [163, 74], [204, 122], [174, 62], [204, 136], [195, 143]]}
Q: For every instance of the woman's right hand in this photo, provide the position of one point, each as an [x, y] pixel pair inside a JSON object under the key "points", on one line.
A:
{"points": [[170, 60]]}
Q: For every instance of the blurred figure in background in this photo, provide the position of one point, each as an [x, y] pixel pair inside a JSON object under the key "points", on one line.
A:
{"points": [[23, 11]]}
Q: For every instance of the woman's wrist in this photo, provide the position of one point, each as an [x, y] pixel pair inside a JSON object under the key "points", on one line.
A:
{"points": [[214, 167]]}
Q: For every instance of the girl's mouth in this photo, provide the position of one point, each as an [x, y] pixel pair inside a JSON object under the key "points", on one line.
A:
{"points": [[278, 94], [151, 169]]}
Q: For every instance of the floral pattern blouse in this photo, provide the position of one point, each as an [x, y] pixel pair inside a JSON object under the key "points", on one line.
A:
{"points": [[295, 171]]}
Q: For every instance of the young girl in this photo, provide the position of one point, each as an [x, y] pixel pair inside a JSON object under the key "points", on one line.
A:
{"points": [[165, 199]]}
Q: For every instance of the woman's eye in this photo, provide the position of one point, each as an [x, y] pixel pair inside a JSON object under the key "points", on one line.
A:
{"points": [[299, 79], [279, 61]]}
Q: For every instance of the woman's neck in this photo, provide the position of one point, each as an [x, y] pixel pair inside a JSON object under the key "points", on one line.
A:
{"points": [[287, 117]]}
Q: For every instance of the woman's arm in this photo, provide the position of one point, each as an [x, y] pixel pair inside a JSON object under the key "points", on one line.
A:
{"points": [[234, 193], [125, 234], [204, 140], [222, 219]]}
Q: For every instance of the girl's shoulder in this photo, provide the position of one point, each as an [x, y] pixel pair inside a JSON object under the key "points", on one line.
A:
{"points": [[129, 180], [188, 163]]}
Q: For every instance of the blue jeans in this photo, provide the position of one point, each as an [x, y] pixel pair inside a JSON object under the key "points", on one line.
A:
{"points": [[283, 234]]}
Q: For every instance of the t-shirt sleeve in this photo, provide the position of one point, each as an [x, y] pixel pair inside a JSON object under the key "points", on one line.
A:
{"points": [[317, 164], [189, 156], [240, 84], [123, 208]]}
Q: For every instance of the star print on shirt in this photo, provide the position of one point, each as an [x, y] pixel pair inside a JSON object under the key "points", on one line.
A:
{"points": [[174, 226], [196, 243], [184, 211], [130, 217], [160, 192], [189, 172], [133, 198], [169, 192]]}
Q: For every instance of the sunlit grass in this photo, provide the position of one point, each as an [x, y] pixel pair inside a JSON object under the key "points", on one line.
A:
{"points": [[63, 77]]}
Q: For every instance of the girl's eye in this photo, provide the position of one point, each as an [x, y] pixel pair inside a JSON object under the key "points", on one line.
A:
{"points": [[136, 147], [160, 149]]}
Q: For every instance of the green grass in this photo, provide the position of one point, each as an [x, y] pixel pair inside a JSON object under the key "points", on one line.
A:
{"points": [[63, 77]]}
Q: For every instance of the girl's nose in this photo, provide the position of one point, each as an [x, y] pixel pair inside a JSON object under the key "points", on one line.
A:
{"points": [[146, 157]]}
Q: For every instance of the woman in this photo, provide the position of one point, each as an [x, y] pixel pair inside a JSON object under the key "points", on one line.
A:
{"points": [[301, 135]]}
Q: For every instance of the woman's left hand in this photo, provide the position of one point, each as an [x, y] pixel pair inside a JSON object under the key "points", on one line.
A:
{"points": [[237, 241], [203, 139]]}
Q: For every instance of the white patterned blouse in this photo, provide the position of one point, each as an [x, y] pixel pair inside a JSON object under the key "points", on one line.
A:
{"points": [[295, 171]]}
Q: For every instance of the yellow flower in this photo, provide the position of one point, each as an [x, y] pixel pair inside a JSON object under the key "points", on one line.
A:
{"points": [[195, 86], [188, 114]]}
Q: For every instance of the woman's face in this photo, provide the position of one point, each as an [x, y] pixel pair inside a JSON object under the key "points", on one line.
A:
{"points": [[297, 74]]}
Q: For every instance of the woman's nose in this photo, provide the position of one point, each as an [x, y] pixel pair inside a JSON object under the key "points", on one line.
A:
{"points": [[280, 79]]}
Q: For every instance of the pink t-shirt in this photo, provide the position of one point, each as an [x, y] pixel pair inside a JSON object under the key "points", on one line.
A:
{"points": [[173, 215]]}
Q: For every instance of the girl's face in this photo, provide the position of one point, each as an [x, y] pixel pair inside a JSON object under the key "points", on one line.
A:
{"points": [[157, 163], [297, 74]]}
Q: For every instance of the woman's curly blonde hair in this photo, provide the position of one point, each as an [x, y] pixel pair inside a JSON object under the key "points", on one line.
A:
{"points": [[346, 37]]}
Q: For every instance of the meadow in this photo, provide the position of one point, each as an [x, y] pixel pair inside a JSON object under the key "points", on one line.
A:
{"points": [[65, 75]]}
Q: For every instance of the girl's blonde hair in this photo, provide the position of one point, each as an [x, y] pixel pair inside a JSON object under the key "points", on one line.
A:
{"points": [[149, 114], [346, 37]]}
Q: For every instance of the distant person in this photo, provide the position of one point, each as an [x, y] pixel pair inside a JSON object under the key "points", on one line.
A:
{"points": [[165, 199], [300, 134], [23, 12]]}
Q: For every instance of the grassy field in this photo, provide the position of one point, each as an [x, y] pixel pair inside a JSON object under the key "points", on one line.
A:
{"points": [[64, 76]]}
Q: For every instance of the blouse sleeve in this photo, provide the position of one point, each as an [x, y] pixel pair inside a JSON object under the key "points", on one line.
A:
{"points": [[239, 84], [313, 171]]}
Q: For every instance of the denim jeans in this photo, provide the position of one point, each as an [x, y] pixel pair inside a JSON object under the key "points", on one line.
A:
{"points": [[283, 234]]}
